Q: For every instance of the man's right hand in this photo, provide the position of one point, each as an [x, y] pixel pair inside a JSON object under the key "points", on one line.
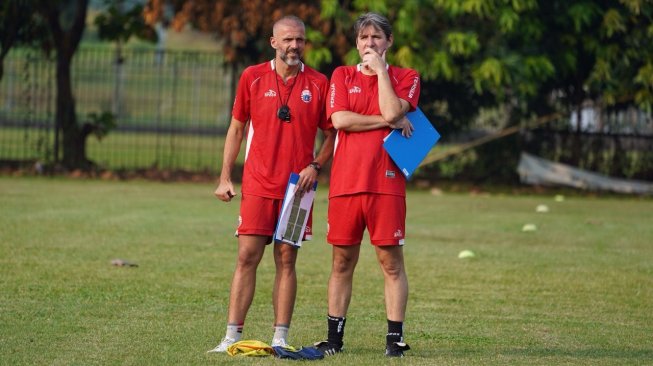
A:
{"points": [[225, 191]]}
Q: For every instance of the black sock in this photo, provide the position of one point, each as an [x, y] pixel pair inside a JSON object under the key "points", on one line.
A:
{"points": [[336, 329], [395, 332]]}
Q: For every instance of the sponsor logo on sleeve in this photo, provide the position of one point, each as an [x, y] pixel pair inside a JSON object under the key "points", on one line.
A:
{"points": [[413, 88], [332, 100]]}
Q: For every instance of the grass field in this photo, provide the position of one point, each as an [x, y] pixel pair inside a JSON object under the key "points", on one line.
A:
{"points": [[579, 290], [124, 150]]}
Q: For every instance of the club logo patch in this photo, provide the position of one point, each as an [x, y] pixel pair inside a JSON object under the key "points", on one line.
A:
{"points": [[306, 96], [270, 93]]}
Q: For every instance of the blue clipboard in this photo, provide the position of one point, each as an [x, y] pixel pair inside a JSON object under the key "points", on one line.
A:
{"points": [[408, 153]]}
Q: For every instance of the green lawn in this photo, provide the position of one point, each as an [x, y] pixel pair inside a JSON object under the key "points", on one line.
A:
{"points": [[124, 150], [579, 290]]}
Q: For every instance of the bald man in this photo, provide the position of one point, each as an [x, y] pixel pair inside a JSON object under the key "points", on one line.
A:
{"points": [[283, 103]]}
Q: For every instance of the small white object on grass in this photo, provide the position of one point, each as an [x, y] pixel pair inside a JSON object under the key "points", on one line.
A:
{"points": [[123, 263], [542, 208], [529, 227], [436, 191], [466, 254]]}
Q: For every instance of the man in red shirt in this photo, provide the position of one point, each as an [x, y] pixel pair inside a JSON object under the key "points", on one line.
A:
{"points": [[366, 102], [282, 101]]}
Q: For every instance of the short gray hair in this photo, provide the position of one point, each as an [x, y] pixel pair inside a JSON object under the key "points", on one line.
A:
{"points": [[378, 21], [288, 19]]}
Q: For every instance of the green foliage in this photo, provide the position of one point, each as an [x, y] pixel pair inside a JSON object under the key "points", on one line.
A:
{"points": [[461, 44], [329, 8], [613, 23], [101, 123], [442, 66], [490, 74], [372, 5], [317, 55], [519, 50], [644, 78], [582, 14], [21, 26], [120, 21], [507, 20]]}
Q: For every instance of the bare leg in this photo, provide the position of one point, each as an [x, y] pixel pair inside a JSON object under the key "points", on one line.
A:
{"points": [[285, 283], [391, 259], [243, 284], [344, 262]]}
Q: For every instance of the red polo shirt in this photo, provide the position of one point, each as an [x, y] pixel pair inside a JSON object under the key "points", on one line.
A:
{"points": [[360, 164], [276, 148]]}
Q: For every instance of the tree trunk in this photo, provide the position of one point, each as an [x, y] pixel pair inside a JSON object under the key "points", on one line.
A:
{"points": [[74, 149], [66, 34]]}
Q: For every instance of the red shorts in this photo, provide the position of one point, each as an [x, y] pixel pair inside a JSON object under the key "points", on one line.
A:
{"points": [[259, 216], [384, 216]]}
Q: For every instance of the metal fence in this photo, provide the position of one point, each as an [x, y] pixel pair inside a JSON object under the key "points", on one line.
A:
{"points": [[171, 108]]}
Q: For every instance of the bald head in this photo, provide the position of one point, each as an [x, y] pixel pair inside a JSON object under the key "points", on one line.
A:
{"points": [[286, 21]]}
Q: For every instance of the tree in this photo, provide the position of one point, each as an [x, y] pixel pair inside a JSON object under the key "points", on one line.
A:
{"points": [[244, 27], [462, 57], [66, 20], [59, 25], [19, 26]]}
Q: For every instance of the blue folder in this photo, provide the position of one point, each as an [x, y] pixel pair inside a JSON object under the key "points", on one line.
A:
{"points": [[408, 153]]}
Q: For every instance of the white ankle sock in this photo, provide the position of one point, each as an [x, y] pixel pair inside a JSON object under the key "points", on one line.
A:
{"points": [[281, 332], [235, 331]]}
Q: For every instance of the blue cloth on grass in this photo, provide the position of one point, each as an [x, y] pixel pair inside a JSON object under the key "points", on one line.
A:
{"points": [[304, 353]]}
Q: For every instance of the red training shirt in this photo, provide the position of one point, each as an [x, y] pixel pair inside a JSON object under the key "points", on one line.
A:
{"points": [[276, 148], [360, 164]]}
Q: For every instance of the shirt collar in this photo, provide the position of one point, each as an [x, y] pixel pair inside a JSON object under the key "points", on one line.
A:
{"points": [[273, 68]]}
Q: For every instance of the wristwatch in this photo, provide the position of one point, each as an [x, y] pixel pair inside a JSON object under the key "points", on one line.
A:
{"points": [[315, 165]]}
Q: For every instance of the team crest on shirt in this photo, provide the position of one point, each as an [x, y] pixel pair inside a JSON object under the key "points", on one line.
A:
{"points": [[306, 96], [270, 93]]}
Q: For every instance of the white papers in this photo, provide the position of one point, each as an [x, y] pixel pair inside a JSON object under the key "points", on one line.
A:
{"points": [[408, 153], [294, 213]]}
